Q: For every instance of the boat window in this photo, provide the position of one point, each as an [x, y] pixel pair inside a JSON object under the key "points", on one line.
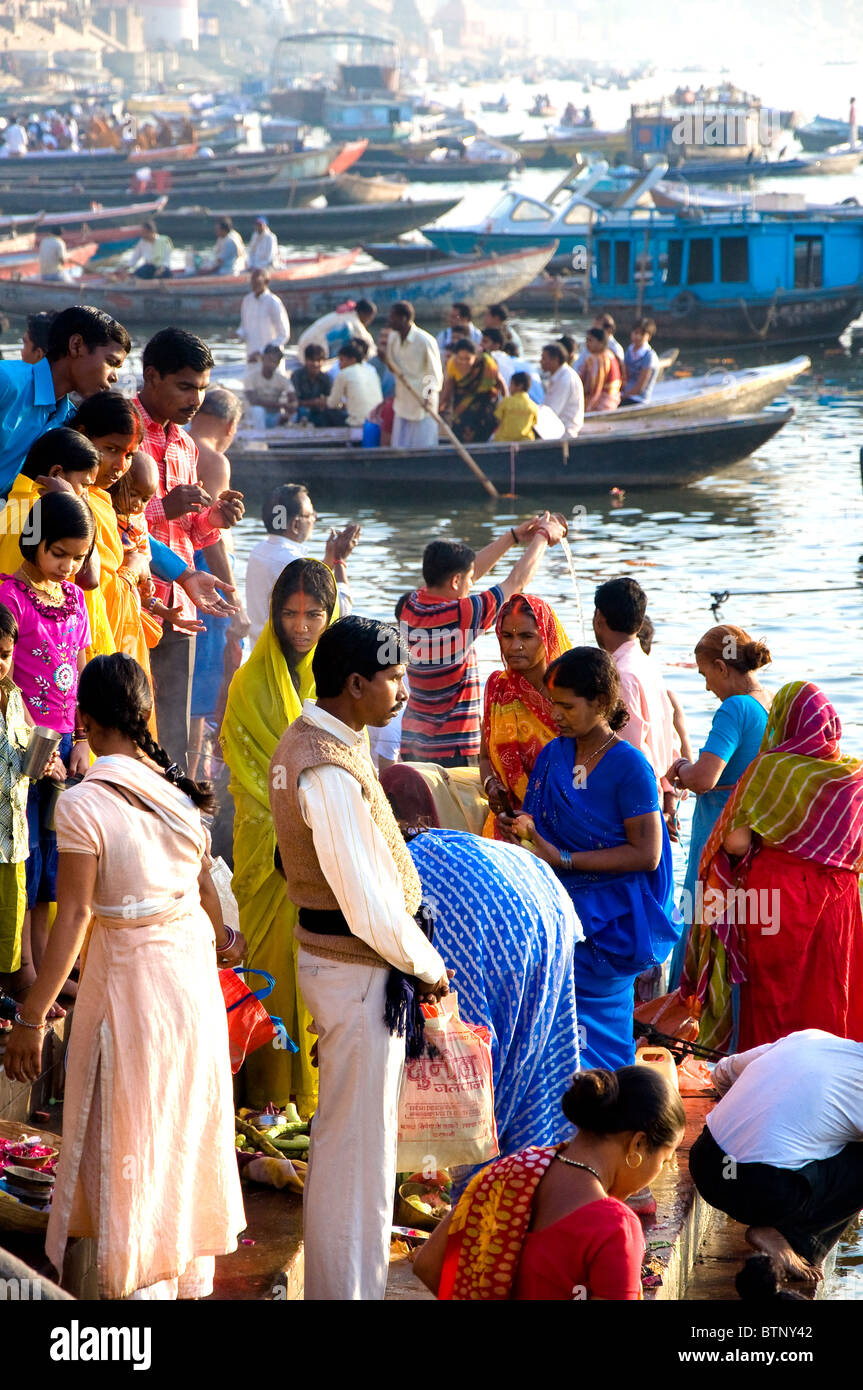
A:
{"points": [[621, 262], [529, 211], [700, 261], [575, 216], [603, 262], [733, 259], [808, 262], [674, 263]]}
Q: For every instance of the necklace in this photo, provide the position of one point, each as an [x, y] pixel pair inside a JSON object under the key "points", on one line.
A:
{"points": [[52, 588], [571, 1163], [590, 757]]}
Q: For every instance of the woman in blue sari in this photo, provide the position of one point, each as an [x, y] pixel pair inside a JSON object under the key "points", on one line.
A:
{"points": [[592, 813]]}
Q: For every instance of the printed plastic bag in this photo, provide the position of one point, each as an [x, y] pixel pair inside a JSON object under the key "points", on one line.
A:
{"points": [[446, 1103]]}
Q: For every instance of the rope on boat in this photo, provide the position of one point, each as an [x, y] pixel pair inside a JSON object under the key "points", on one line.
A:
{"points": [[721, 596]]}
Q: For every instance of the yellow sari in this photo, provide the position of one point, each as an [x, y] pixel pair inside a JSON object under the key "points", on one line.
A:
{"points": [[262, 702], [117, 585], [23, 494]]}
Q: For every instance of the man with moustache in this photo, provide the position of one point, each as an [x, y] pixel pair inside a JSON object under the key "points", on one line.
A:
{"points": [[176, 368]]}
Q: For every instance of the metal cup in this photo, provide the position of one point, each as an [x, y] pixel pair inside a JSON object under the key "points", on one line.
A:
{"points": [[41, 747]]}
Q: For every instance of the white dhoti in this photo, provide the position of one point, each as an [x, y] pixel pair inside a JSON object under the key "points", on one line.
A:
{"points": [[414, 434], [350, 1186]]}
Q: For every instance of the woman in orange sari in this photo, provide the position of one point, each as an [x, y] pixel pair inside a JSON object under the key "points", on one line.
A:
{"points": [[518, 722], [111, 422]]}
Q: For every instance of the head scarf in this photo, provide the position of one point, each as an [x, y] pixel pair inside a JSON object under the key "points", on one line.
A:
{"points": [[800, 795], [518, 720]]}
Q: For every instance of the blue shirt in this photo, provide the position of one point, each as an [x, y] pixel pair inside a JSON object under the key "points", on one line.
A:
{"points": [[636, 361], [28, 407]]}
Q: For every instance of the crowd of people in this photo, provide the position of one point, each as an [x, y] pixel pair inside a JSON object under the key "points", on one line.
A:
{"points": [[373, 789]]}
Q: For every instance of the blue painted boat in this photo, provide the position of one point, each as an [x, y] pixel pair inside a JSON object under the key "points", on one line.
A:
{"points": [[730, 278]]}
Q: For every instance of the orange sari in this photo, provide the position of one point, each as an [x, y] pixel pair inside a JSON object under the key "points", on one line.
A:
{"points": [[517, 722], [118, 584]]}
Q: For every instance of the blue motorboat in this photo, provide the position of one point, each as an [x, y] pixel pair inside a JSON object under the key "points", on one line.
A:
{"points": [[730, 278]]}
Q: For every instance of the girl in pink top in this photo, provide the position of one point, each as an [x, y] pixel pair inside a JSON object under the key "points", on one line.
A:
{"points": [[54, 633]]}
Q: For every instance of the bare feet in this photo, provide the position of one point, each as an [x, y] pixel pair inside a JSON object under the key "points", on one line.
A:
{"points": [[768, 1241]]}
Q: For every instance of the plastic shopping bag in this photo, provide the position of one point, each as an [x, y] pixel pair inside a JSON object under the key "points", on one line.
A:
{"points": [[249, 1024], [446, 1103]]}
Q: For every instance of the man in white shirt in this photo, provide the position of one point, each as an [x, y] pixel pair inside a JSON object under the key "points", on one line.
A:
{"points": [[414, 357], [263, 317], [15, 142], [263, 250], [52, 259], [289, 519], [619, 612], [228, 255], [151, 258], [492, 343], [497, 316], [332, 330], [357, 388], [268, 390], [564, 393], [460, 326], [782, 1150], [357, 891]]}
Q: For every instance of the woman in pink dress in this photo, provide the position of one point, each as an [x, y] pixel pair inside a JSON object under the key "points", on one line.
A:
{"points": [[148, 1167]]}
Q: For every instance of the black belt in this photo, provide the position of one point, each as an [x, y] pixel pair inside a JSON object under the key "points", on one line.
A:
{"points": [[324, 922]]}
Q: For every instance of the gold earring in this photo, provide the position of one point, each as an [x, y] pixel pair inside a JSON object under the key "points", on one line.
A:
{"points": [[639, 1160]]}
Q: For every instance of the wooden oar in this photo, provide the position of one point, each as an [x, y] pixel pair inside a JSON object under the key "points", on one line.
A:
{"points": [[442, 424]]}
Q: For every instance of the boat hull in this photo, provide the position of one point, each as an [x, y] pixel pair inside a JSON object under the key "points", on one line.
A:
{"points": [[629, 456], [438, 171], [471, 241], [217, 300], [339, 226], [790, 317]]}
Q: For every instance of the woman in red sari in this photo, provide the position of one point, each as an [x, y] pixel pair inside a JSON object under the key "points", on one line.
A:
{"points": [[781, 913], [517, 722], [552, 1224]]}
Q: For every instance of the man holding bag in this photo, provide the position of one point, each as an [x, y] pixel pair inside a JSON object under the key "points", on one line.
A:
{"points": [[350, 874]]}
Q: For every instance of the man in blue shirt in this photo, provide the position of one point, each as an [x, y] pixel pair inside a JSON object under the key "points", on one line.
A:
{"points": [[640, 365], [86, 350]]}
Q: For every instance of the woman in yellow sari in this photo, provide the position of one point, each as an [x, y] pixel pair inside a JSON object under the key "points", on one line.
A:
{"points": [[265, 696], [518, 723], [63, 454]]}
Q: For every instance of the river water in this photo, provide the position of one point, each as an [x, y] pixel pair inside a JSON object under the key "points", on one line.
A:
{"points": [[782, 531]]}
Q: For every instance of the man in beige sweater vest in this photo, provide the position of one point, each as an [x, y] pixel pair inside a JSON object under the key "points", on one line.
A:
{"points": [[349, 872]]}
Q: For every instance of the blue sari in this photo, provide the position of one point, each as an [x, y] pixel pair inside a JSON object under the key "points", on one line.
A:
{"points": [[506, 928], [628, 919]]}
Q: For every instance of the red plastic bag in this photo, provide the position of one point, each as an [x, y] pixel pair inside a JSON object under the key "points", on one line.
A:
{"points": [[446, 1104], [249, 1024]]}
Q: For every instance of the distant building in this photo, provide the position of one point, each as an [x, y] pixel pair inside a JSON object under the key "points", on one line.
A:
{"points": [[170, 21]]}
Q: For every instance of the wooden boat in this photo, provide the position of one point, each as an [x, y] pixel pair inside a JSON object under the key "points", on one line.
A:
{"points": [[560, 151], [90, 169], [361, 188], [309, 226], [821, 133], [714, 395], [13, 266], [718, 170], [634, 454], [85, 219], [241, 195], [306, 295], [470, 159]]}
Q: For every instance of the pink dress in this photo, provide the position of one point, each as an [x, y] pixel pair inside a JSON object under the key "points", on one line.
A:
{"points": [[46, 653], [148, 1166]]}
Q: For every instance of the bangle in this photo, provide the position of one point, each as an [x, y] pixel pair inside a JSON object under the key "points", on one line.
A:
{"points": [[565, 860], [541, 531], [229, 944], [24, 1024], [79, 736], [490, 778], [512, 533]]}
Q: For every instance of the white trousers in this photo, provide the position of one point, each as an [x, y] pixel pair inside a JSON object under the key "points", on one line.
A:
{"points": [[415, 434], [348, 1198]]}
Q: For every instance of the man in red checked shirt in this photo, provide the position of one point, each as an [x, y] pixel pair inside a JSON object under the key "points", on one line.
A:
{"points": [[182, 515]]}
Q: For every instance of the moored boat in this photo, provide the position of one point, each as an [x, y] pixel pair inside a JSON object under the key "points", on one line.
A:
{"points": [[364, 188], [15, 264], [339, 226], [306, 295], [637, 454]]}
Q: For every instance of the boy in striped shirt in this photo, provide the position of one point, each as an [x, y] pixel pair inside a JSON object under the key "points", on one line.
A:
{"points": [[440, 624]]}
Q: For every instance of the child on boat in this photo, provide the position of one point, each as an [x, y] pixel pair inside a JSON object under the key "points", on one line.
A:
{"points": [[516, 413]]}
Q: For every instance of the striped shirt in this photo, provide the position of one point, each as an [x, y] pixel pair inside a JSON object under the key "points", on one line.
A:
{"points": [[176, 455], [443, 715]]}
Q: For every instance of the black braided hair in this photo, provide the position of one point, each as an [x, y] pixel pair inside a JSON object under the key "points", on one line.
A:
{"points": [[114, 691]]}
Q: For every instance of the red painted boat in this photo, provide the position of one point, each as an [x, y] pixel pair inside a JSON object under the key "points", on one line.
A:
{"points": [[24, 263]]}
